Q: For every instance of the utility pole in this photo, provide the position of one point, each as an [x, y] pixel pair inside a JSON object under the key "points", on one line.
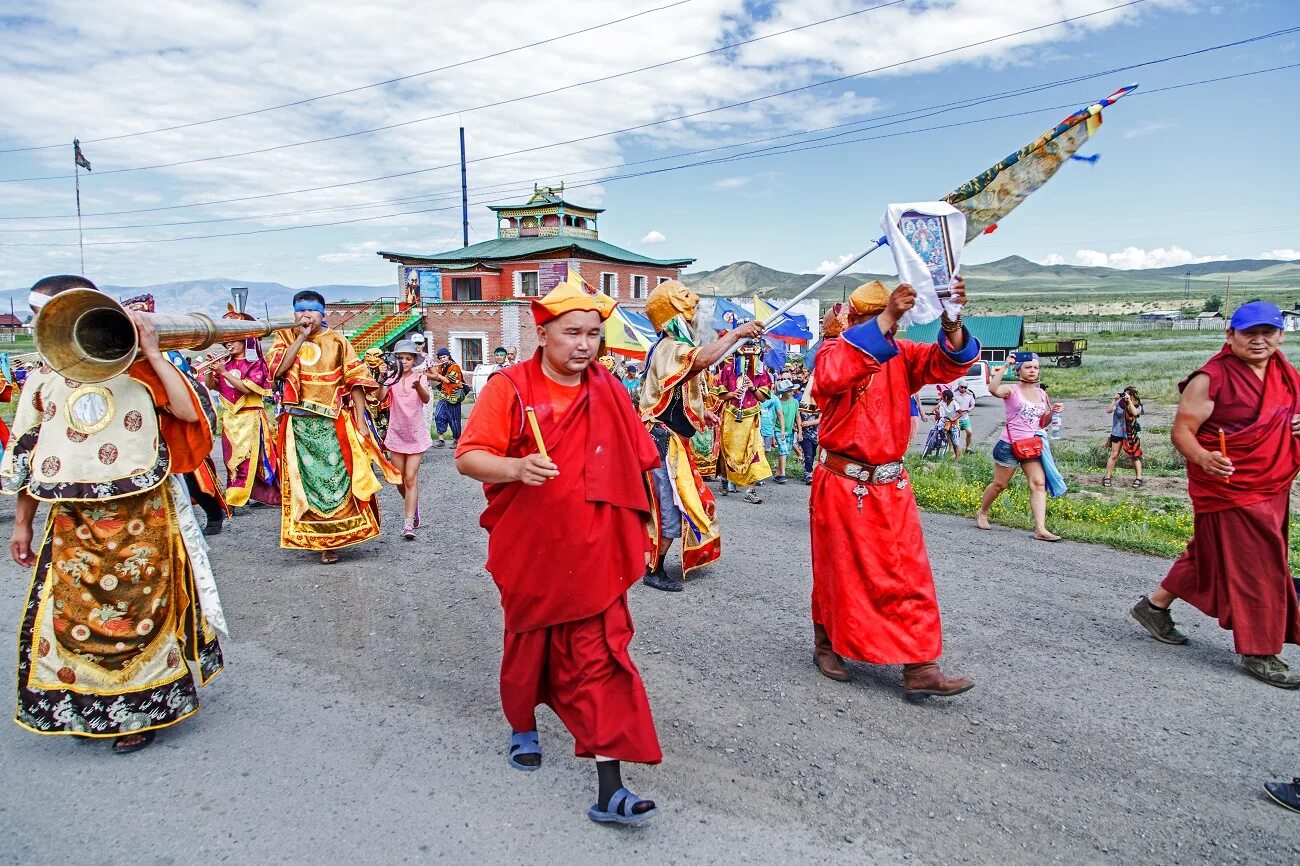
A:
{"points": [[1187, 285], [464, 192], [1227, 298], [76, 173]]}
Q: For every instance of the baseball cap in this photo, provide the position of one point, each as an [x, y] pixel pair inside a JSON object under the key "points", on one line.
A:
{"points": [[1256, 313], [962, 386], [417, 337]]}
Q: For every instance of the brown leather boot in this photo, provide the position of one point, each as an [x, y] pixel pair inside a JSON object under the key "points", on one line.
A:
{"points": [[927, 679], [824, 656]]}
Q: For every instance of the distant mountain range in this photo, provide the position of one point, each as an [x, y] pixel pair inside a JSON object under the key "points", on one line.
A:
{"points": [[1015, 275], [212, 295], [1006, 279]]}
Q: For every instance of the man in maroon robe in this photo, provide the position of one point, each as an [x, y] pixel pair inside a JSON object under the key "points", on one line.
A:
{"points": [[567, 521], [873, 592], [1238, 425]]}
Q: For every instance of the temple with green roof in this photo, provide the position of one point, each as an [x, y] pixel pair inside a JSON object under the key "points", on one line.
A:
{"points": [[474, 298], [537, 242]]}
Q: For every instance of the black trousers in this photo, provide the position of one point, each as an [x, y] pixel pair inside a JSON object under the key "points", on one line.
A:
{"points": [[211, 507]]}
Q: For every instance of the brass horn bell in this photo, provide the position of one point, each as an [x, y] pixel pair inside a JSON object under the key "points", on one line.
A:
{"points": [[88, 337]]}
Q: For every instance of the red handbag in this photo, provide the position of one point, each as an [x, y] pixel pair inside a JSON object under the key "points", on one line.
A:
{"points": [[1025, 449]]}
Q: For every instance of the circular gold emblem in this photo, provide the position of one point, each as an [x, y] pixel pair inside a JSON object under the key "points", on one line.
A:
{"points": [[308, 354], [90, 409]]}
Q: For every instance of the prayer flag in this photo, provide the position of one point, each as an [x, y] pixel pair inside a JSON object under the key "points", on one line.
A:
{"points": [[78, 157], [792, 328], [1000, 189], [728, 315], [774, 354], [628, 333]]}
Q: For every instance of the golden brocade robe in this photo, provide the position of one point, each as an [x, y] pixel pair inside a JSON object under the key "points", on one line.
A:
{"points": [[668, 376], [327, 480], [122, 600]]}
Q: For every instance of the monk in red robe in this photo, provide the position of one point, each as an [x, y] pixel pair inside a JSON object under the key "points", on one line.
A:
{"points": [[873, 593], [1238, 425], [567, 520]]}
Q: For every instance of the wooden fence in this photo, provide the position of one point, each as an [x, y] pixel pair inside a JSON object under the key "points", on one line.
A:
{"points": [[1124, 326]]}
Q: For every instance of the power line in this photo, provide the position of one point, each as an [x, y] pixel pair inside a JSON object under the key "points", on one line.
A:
{"points": [[358, 89], [498, 103], [638, 127], [788, 149], [869, 123], [613, 76]]}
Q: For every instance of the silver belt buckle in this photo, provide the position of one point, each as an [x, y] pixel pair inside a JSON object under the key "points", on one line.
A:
{"points": [[856, 472], [887, 473]]}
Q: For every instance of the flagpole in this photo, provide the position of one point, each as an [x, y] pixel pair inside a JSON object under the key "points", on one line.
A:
{"points": [[776, 317], [76, 173]]}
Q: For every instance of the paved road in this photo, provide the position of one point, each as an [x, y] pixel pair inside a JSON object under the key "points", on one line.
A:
{"points": [[357, 720]]}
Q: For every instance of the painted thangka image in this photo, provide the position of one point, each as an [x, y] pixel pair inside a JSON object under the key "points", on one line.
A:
{"points": [[928, 235]]}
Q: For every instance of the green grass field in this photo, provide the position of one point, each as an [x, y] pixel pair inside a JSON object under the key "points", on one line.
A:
{"points": [[1125, 520], [1153, 362]]}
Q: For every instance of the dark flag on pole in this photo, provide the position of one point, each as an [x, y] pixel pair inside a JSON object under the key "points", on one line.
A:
{"points": [[78, 156]]}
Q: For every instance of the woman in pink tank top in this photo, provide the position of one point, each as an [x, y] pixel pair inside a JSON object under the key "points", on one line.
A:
{"points": [[408, 433], [1028, 411]]}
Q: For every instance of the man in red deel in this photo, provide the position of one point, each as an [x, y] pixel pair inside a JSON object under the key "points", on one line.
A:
{"points": [[873, 593], [563, 456]]}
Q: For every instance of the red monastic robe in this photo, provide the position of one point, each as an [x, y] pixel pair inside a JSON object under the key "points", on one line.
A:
{"points": [[1236, 567], [873, 590], [563, 555]]}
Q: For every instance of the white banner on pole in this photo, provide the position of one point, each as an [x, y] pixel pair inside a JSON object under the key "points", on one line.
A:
{"points": [[926, 239]]}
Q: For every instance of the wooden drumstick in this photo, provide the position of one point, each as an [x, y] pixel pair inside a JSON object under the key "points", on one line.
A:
{"points": [[1223, 449], [537, 432]]}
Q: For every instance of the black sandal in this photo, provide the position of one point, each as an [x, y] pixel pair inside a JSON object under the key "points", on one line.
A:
{"points": [[1138, 484], [1105, 482], [120, 747]]}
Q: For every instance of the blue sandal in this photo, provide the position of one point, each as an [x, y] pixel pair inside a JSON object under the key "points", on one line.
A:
{"points": [[620, 809], [524, 744]]}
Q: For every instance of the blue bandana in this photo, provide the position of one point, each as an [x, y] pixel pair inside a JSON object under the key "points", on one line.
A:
{"points": [[308, 304]]}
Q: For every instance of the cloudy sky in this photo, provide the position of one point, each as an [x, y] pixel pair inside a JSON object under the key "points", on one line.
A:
{"points": [[257, 123]]}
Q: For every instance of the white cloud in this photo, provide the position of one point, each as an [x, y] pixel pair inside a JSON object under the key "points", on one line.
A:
{"points": [[654, 236], [1144, 129], [187, 62], [827, 266], [1054, 259], [1285, 254], [364, 251], [1133, 258]]}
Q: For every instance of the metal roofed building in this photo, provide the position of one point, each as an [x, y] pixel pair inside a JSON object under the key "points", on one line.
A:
{"points": [[998, 335], [475, 298]]}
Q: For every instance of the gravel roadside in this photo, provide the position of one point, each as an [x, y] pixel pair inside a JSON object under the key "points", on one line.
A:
{"points": [[358, 718]]}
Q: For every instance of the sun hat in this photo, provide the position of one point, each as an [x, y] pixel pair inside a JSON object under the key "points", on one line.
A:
{"points": [[408, 347]]}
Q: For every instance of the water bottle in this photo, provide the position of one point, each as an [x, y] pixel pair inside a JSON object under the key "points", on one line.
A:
{"points": [[1054, 430]]}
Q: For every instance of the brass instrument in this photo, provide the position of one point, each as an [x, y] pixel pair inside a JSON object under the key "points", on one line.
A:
{"points": [[88, 337], [204, 365]]}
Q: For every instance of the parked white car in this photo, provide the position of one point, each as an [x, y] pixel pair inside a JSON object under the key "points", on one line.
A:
{"points": [[976, 378]]}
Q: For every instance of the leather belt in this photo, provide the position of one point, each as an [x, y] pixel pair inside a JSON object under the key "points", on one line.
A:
{"points": [[862, 473]]}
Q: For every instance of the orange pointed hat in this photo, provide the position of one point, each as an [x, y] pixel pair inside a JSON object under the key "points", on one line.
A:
{"points": [[870, 299], [572, 296]]}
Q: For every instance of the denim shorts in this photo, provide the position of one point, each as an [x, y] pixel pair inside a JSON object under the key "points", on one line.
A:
{"points": [[1002, 454]]}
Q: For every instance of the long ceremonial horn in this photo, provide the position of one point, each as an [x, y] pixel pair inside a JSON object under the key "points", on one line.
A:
{"points": [[88, 337]]}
